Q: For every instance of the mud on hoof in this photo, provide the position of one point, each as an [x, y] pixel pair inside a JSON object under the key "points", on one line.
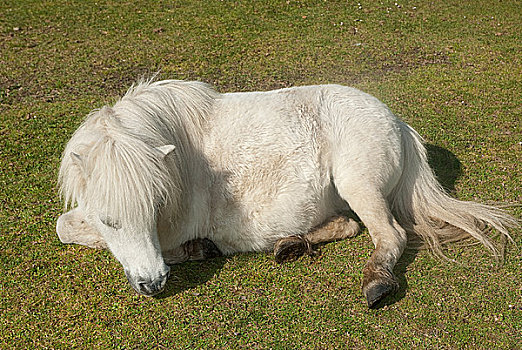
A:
{"points": [[201, 249], [210, 250], [291, 248], [377, 286], [193, 250]]}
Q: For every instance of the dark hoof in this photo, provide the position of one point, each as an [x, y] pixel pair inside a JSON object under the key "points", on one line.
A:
{"points": [[377, 290], [209, 249], [291, 248]]}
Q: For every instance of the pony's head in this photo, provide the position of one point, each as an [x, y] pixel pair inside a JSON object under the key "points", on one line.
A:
{"points": [[120, 182]]}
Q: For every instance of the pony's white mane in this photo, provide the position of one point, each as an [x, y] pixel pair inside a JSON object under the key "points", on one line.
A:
{"points": [[111, 163]]}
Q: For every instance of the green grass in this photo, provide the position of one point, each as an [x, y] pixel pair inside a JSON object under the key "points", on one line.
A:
{"points": [[451, 69]]}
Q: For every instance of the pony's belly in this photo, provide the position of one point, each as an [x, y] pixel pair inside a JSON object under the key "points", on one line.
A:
{"points": [[253, 227]]}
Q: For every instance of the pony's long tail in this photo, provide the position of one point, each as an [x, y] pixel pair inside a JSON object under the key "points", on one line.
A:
{"points": [[423, 208]]}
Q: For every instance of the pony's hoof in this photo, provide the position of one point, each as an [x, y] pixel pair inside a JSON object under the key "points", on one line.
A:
{"points": [[291, 248], [210, 250], [377, 290]]}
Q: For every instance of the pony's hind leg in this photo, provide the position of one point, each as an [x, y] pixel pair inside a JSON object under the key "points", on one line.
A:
{"points": [[336, 228], [387, 235], [291, 248], [333, 229], [193, 250]]}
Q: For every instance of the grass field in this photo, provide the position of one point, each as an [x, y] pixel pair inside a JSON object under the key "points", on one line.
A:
{"points": [[452, 69]]}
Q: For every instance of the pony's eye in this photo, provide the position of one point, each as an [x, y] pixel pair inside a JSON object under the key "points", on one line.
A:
{"points": [[108, 221]]}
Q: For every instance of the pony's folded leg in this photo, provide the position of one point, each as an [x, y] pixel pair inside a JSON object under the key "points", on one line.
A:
{"points": [[71, 227], [333, 229], [291, 248], [194, 250]]}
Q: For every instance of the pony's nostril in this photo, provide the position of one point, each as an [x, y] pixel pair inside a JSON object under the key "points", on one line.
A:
{"points": [[144, 288], [142, 283], [154, 287], [163, 280], [148, 286]]}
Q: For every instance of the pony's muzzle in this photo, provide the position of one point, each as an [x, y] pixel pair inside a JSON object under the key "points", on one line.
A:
{"points": [[148, 287]]}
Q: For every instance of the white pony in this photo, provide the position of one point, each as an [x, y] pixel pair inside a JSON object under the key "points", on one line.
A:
{"points": [[176, 171]]}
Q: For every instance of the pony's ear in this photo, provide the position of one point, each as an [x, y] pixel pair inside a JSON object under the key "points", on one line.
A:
{"points": [[165, 150], [77, 159]]}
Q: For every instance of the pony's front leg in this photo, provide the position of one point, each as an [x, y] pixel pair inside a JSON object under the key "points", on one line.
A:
{"points": [[71, 227], [196, 249]]}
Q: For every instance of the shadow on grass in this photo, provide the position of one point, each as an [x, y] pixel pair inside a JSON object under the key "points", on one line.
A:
{"points": [[446, 166], [191, 274], [448, 169]]}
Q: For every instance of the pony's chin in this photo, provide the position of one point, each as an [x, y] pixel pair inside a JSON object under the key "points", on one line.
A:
{"points": [[148, 287]]}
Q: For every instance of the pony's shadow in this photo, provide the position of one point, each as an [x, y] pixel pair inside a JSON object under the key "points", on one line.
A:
{"points": [[448, 169], [191, 274]]}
